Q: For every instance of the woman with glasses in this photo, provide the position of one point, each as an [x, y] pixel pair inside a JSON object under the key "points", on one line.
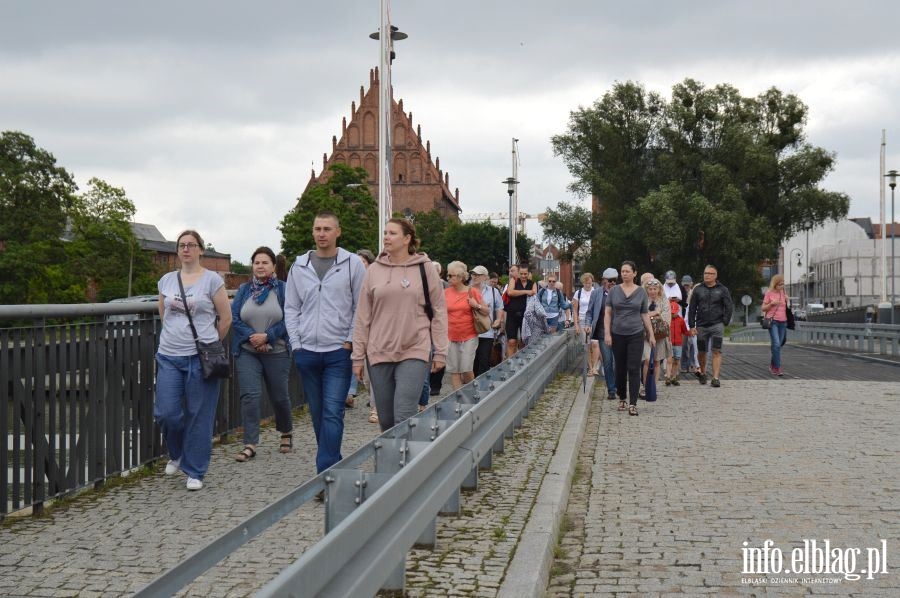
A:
{"points": [[185, 405], [775, 308], [461, 300], [259, 343]]}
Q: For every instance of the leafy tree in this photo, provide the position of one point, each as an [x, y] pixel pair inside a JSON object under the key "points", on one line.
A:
{"points": [[103, 250], [239, 267], [35, 195], [345, 193], [478, 243], [569, 227], [707, 176], [430, 228]]}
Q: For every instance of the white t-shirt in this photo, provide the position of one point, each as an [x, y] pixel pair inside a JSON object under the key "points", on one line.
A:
{"points": [[583, 296], [176, 338]]}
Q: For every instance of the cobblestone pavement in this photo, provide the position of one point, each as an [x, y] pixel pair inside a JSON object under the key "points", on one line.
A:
{"points": [[114, 542], [666, 500]]}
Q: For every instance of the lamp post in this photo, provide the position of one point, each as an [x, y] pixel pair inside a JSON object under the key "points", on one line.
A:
{"points": [[511, 183], [892, 183], [386, 57], [799, 253]]}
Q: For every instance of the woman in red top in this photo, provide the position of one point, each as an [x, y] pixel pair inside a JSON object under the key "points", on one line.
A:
{"points": [[775, 307], [461, 300]]}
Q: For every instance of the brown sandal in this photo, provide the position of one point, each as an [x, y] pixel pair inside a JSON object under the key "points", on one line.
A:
{"points": [[373, 416], [287, 443], [247, 453], [622, 406]]}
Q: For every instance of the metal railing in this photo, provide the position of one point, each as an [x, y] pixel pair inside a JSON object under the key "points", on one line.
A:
{"points": [[877, 339], [79, 392], [385, 497]]}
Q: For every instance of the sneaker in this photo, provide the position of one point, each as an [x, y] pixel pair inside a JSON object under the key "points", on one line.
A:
{"points": [[715, 383], [779, 372], [668, 382], [173, 466], [773, 369], [702, 378], [612, 396], [675, 382], [194, 483]]}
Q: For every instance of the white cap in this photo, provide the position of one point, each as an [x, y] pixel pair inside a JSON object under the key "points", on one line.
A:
{"points": [[610, 274]]}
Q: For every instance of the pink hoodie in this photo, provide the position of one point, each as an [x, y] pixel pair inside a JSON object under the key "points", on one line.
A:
{"points": [[391, 323]]}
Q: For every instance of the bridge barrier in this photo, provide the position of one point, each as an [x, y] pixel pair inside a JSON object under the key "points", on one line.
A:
{"points": [[385, 497], [79, 389], [877, 339]]}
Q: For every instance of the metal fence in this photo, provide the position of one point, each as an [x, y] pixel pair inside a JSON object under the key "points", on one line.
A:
{"points": [[877, 339], [79, 384], [386, 496]]}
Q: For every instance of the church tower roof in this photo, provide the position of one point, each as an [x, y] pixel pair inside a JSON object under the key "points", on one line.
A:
{"points": [[419, 184]]}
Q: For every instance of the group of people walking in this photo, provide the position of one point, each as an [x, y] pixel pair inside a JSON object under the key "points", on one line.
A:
{"points": [[340, 317], [638, 328]]}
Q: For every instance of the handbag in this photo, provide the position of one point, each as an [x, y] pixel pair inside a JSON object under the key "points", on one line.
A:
{"points": [[214, 362], [791, 323], [482, 321], [766, 322]]}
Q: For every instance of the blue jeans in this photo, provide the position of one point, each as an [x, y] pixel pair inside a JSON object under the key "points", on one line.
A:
{"points": [[776, 335], [252, 369], [185, 410], [325, 377], [609, 368]]}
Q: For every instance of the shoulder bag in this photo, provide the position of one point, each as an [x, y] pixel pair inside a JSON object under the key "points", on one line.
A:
{"points": [[482, 321], [214, 360]]}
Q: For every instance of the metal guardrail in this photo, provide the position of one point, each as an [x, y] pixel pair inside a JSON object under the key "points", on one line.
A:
{"points": [[79, 389], [877, 339], [375, 513]]}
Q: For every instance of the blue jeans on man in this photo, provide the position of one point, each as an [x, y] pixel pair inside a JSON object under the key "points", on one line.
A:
{"points": [[252, 369], [609, 369], [325, 377], [185, 409]]}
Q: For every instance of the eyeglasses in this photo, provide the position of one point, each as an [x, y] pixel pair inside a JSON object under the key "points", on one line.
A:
{"points": [[187, 246], [551, 281]]}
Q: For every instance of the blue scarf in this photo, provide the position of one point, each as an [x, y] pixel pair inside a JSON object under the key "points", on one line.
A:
{"points": [[259, 289]]}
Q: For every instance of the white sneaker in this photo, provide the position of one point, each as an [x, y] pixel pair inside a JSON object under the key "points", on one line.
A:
{"points": [[194, 483], [173, 466]]}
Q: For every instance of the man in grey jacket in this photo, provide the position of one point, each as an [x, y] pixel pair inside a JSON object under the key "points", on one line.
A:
{"points": [[709, 311], [319, 312]]}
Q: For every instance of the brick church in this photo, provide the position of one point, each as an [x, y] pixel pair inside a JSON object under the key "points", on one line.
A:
{"points": [[419, 184]]}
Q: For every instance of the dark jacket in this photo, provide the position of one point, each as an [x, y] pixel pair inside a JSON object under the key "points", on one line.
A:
{"points": [[710, 306], [594, 315], [240, 332]]}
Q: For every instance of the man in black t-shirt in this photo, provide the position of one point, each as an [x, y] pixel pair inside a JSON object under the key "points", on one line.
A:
{"points": [[519, 291]]}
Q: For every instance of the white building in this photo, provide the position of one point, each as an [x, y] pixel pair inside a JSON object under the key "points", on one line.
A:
{"points": [[839, 265]]}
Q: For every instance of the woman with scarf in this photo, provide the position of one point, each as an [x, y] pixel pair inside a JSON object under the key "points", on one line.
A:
{"points": [[259, 343]]}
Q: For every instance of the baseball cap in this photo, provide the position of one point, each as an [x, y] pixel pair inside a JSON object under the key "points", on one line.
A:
{"points": [[673, 303], [480, 270], [610, 274], [686, 279], [670, 275]]}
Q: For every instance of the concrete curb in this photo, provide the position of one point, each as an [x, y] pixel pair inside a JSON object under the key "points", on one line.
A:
{"points": [[529, 572]]}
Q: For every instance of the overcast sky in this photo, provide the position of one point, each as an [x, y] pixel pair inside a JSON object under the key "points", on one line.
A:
{"points": [[211, 113]]}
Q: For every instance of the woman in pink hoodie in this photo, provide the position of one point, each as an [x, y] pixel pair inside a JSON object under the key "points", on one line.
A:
{"points": [[401, 314]]}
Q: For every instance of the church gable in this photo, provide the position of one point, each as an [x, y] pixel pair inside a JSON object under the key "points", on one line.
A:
{"points": [[419, 184]]}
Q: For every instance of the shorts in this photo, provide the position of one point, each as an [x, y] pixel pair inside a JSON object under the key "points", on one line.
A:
{"points": [[716, 333], [461, 356], [676, 352], [645, 356], [514, 324]]}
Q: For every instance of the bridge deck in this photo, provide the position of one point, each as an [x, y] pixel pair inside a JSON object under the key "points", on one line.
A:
{"points": [[666, 502]]}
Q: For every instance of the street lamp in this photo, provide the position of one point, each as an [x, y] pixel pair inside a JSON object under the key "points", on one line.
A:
{"points": [[511, 183], [386, 57], [799, 253], [892, 183]]}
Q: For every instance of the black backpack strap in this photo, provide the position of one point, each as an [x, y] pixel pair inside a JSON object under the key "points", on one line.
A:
{"points": [[428, 309]]}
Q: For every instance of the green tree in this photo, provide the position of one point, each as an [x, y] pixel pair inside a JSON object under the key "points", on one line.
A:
{"points": [[239, 267], [346, 193], [35, 196], [103, 249], [478, 243], [430, 228], [707, 176], [569, 227]]}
